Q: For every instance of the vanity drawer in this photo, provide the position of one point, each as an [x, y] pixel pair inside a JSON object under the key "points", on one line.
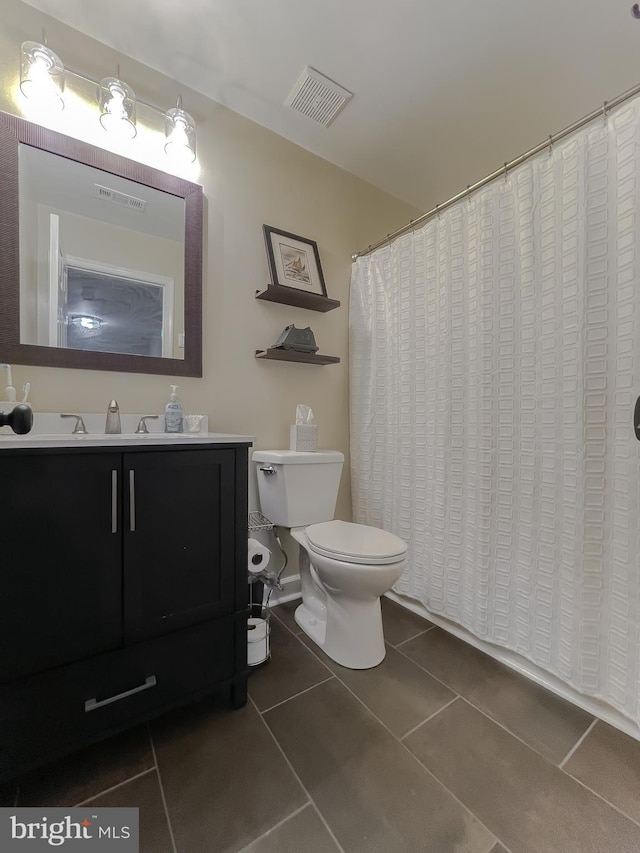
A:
{"points": [[76, 704]]}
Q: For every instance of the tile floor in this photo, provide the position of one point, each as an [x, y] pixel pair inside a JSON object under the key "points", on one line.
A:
{"points": [[439, 749]]}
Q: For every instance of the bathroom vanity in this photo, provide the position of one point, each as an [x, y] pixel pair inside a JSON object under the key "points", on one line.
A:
{"points": [[124, 584]]}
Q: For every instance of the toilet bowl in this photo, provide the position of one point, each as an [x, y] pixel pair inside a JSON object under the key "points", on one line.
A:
{"points": [[349, 627], [344, 567]]}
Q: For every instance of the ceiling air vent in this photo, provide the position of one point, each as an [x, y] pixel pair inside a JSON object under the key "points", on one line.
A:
{"points": [[115, 197], [317, 97]]}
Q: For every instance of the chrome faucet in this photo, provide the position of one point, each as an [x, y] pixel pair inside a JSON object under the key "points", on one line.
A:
{"points": [[112, 426]]}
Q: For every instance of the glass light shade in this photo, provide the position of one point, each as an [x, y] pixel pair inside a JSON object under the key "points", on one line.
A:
{"points": [[180, 131], [117, 107], [41, 75]]}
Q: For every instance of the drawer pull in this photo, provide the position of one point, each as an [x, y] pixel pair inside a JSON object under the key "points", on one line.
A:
{"points": [[92, 704]]}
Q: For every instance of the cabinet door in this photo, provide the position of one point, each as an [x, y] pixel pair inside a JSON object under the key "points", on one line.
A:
{"points": [[179, 548], [61, 553]]}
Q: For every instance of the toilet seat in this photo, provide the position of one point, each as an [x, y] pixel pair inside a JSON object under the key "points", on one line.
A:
{"points": [[355, 543]]}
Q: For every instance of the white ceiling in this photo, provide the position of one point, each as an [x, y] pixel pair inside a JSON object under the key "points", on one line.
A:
{"points": [[444, 91]]}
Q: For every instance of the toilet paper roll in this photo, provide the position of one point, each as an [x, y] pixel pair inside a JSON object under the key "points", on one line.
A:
{"points": [[257, 641], [258, 556], [256, 629]]}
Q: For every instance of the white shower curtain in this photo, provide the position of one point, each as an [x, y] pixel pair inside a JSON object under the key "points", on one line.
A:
{"points": [[495, 362]]}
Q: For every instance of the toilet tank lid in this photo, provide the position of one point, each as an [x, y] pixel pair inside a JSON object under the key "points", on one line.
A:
{"points": [[293, 457]]}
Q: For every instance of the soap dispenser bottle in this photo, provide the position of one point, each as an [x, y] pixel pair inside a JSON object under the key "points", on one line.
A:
{"points": [[173, 412]]}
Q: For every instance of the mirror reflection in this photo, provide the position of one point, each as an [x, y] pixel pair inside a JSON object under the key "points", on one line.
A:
{"points": [[102, 260]]}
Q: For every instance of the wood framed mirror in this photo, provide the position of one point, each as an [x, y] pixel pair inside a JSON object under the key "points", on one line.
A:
{"points": [[100, 258]]}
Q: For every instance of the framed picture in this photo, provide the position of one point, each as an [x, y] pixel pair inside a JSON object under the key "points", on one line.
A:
{"points": [[294, 261]]}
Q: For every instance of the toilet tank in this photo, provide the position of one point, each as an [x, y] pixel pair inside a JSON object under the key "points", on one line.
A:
{"points": [[298, 489]]}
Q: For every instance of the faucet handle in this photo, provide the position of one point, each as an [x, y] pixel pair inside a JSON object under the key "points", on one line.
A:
{"points": [[142, 426], [80, 428]]}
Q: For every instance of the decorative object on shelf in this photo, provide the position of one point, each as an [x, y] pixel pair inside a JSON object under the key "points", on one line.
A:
{"points": [[294, 261], [42, 81], [299, 340], [296, 345]]}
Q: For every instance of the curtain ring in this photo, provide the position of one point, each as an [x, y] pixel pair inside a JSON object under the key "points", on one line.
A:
{"points": [[604, 112], [506, 171], [469, 193], [550, 145], [438, 211]]}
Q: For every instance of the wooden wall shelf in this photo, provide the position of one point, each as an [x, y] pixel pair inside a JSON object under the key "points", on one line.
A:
{"points": [[301, 357], [293, 296]]}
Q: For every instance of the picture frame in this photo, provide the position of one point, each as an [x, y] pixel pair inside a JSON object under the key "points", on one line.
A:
{"points": [[294, 261]]}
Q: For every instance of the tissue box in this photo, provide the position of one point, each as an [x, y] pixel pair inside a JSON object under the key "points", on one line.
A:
{"points": [[303, 437]]}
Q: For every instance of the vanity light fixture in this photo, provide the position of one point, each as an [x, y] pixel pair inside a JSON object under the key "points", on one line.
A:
{"points": [[180, 131], [41, 75], [42, 81], [117, 106]]}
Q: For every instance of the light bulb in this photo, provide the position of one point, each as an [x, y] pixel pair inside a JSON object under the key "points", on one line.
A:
{"points": [[115, 106], [180, 131], [118, 107], [42, 75]]}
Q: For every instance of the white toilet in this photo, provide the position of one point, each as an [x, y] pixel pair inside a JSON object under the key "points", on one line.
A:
{"points": [[344, 567]]}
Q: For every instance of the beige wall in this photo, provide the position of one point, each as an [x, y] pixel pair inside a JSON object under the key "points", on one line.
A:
{"points": [[250, 176]]}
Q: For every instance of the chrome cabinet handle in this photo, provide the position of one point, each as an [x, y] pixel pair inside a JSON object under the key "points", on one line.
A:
{"points": [[268, 469], [92, 704], [132, 500], [114, 501]]}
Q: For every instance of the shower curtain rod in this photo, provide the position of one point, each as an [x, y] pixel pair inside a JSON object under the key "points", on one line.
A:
{"points": [[553, 138]]}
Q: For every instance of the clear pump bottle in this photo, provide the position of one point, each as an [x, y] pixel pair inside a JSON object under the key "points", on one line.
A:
{"points": [[173, 413]]}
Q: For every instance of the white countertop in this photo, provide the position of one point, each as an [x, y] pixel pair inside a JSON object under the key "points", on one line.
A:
{"points": [[50, 430], [12, 442]]}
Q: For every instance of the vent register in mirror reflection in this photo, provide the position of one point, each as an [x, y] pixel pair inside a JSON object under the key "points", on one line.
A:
{"points": [[101, 260]]}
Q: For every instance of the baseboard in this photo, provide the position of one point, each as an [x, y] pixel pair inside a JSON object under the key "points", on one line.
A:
{"points": [[289, 592], [515, 661]]}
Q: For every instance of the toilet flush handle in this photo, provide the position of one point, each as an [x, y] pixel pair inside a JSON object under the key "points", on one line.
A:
{"points": [[268, 469]]}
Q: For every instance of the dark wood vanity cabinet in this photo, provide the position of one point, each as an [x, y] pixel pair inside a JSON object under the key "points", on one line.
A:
{"points": [[178, 536], [124, 589]]}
